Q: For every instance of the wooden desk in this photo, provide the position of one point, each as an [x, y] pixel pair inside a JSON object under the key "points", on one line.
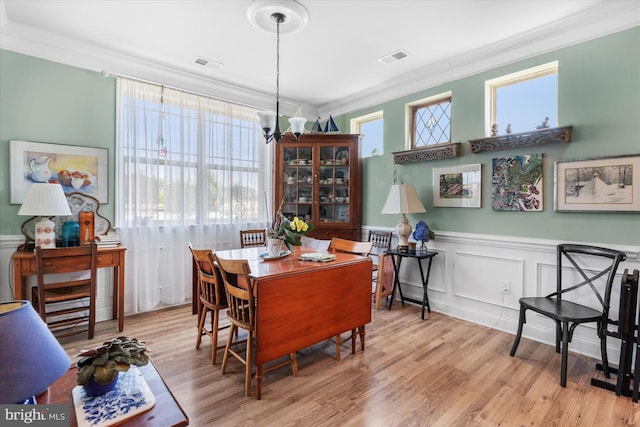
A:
{"points": [[166, 412], [300, 303], [24, 264]]}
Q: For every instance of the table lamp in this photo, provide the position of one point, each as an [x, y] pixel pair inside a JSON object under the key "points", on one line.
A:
{"points": [[45, 200], [32, 359], [403, 199]]}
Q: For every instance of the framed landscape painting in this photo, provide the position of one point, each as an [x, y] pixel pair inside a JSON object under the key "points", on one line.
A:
{"points": [[77, 169], [457, 186], [603, 184]]}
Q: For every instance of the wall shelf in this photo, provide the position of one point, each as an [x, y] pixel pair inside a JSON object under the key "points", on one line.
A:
{"points": [[435, 152], [522, 139]]}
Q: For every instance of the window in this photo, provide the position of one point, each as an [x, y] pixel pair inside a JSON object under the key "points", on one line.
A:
{"points": [[190, 170], [371, 127], [430, 121], [523, 101], [189, 159]]}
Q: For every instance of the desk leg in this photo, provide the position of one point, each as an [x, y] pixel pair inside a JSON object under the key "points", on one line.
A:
{"points": [[19, 282], [116, 290], [396, 281], [121, 292]]}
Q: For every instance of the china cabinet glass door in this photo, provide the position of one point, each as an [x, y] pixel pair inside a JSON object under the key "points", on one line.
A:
{"points": [[297, 182], [333, 184]]}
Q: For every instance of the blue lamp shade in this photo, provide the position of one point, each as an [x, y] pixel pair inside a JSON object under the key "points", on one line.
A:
{"points": [[31, 357]]}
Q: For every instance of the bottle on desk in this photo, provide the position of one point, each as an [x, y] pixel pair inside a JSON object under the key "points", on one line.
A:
{"points": [[86, 220]]}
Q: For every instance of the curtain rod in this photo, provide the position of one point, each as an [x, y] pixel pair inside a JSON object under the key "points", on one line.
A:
{"points": [[137, 79]]}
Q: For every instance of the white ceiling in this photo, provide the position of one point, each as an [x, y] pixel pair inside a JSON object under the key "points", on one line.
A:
{"points": [[329, 66]]}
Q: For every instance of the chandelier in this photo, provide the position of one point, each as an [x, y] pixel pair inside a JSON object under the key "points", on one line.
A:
{"points": [[292, 16]]}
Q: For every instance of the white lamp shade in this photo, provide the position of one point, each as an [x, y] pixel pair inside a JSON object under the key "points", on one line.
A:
{"points": [[403, 199], [267, 121], [45, 200], [297, 125]]}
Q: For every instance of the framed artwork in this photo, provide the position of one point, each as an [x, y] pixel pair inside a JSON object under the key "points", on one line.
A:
{"points": [[603, 184], [516, 183], [77, 169], [457, 186]]}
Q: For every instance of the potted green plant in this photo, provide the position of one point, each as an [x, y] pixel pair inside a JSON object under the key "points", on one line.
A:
{"points": [[99, 366]]}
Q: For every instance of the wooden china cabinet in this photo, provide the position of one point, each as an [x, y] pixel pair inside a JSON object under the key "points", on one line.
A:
{"points": [[319, 179]]}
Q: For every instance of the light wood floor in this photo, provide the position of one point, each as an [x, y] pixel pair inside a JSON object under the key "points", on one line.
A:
{"points": [[436, 372]]}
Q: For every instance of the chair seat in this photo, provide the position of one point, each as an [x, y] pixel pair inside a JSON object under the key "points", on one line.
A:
{"points": [[562, 310]]}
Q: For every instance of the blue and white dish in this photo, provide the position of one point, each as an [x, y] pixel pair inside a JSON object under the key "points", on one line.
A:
{"points": [[130, 396], [267, 257]]}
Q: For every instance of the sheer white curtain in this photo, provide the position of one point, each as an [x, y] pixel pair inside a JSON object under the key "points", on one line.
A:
{"points": [[189, 169]]}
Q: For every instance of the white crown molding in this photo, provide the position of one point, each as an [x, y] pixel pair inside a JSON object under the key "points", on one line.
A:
{"points": [[44, 45], [607, 18]]}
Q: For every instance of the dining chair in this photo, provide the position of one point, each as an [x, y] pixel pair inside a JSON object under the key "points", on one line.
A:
{"points": [[251, 238], [242, 314], [66, 302], [584, 278], [312, 243], [381, 242], [384, 280], [358, 248], [212, 297]]}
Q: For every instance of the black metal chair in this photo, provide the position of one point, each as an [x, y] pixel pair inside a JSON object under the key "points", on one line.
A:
{"points": [[587, 262]]}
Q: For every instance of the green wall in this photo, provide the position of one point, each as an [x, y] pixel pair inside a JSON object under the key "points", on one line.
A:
{"points": [[599, 94], [43, 101]]}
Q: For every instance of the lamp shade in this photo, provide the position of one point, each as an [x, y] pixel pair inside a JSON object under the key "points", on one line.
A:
{"points": [[297, 125], [45, 200], [32, 359], [403, 199], [267, 121]]}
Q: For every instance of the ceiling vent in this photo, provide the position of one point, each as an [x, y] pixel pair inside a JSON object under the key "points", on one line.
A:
{"points": [[393, 57], [208, 63]]}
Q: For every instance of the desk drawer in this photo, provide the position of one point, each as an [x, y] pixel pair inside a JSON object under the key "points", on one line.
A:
{"points": [[107, 259], [28, 266]]}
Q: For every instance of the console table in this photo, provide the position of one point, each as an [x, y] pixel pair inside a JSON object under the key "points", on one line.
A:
{"points": [[396, 258], [166, 412], [24, 264]]}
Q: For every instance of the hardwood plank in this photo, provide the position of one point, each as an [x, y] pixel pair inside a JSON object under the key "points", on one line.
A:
{"points": [[437, 372]]}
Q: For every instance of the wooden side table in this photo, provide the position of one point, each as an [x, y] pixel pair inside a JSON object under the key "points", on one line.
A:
{"points": [[418, 256], [166, 411]]}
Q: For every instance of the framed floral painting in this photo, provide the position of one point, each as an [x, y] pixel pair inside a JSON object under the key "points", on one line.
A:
{"points": [[516, 183]]}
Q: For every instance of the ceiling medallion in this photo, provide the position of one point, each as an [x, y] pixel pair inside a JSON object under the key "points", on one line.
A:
{"points": [[260, 14]]}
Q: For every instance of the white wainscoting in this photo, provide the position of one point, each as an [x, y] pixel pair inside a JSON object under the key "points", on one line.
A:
{"points": [[466, 282], [470, 271]]}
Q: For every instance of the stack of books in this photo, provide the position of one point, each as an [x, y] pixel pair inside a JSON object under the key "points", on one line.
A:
{"points": [[109, 240]]}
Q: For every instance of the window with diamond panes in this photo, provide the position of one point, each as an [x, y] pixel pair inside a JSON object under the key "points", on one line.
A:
{"points": [[431, 123]]}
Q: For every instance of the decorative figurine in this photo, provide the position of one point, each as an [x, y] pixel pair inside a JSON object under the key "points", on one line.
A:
{"points": [[508, 129], [494, 129], [544, 124]]}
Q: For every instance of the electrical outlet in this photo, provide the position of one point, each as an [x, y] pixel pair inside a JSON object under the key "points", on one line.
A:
{"points": [[506, 287]]}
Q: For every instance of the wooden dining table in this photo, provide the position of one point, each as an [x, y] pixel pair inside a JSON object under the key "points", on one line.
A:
{"points": [[300, 303]]}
